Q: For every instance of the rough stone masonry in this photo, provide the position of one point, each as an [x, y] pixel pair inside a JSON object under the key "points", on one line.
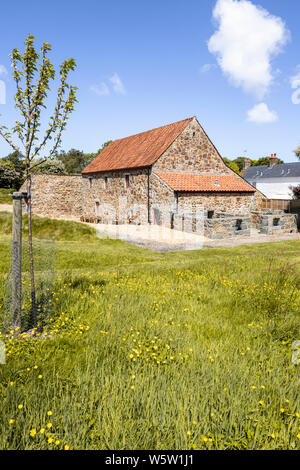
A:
{"points": [[162, 177]]}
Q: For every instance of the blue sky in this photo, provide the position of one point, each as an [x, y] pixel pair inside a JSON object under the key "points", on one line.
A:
{"points": [[142, 64]]}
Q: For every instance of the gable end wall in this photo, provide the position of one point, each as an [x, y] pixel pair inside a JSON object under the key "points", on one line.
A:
{"points": [[192, 153]]}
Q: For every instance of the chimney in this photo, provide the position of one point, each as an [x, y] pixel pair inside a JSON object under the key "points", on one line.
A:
{"points": [[246, 164], [273, 160]]}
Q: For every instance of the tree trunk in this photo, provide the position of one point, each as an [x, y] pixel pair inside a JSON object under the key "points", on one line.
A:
{"points": [[31, 265]]}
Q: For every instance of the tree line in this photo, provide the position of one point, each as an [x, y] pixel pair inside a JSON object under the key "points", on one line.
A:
{"points": [[237, 164], [12, 168]]}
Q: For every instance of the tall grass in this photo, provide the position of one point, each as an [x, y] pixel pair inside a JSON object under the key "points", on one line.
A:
{"points": [[159, 351], [5, 196]]}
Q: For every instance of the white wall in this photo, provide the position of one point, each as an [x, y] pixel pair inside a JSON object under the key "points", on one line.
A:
{"points": [[276, 188]]}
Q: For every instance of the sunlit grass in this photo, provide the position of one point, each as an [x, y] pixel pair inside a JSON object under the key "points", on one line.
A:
{"points": [[188, 350], [5, 196]]}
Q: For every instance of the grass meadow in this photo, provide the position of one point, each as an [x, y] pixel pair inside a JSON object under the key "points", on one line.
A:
{"points": [[5, 196], [146, 350]]}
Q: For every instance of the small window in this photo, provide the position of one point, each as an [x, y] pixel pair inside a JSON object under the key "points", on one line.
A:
{"points": [[97, 208], [91, 182], [276, 222], [105, 182], [210, 214], [127, 181], [238, 225]]}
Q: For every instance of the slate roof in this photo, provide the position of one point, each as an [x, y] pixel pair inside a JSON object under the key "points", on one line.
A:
{"points": [[283, 170], [191, 182], [137, 151]]}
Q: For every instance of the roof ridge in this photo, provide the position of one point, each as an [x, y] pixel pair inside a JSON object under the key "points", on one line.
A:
{"points": [[154, 129]]}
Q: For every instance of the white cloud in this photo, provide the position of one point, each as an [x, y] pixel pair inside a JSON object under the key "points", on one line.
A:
{"points": [[295, 80], [118, 86], [295, 84], [261, 114], [3, 71], [101, 90], [207, 68], [247, 39], [296, 97]]}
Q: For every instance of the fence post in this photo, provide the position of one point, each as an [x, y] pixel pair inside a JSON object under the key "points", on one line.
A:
{"points": [[16, 259]]}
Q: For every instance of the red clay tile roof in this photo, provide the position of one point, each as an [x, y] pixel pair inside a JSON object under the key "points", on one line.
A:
{"points": [[190, 182], [137, 151]]}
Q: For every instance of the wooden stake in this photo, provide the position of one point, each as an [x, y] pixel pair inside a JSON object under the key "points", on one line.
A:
{"points": [[16, 260]]}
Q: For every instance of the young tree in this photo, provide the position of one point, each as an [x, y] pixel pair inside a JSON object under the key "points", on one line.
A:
{"points": [[32, 73], [297, 152]]}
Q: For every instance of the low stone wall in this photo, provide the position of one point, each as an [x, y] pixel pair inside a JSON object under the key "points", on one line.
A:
{"points": [[272, 222], [56, 196], [227, 227], [187, 223], [221, 226]]}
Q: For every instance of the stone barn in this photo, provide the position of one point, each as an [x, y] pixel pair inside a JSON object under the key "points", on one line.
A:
{"points": [[159, 175], [172, 175]]}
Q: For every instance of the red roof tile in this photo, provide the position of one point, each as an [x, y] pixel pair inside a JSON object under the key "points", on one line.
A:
{"points": [[137, 151], [190, 182]]}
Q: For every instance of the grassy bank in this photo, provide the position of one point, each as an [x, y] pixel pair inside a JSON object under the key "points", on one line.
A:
{"points": [[158, 351], [5, 196]]}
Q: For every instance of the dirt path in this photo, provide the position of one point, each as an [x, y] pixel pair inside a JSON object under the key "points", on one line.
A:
{"points": [[160, 238], [6, 207]]}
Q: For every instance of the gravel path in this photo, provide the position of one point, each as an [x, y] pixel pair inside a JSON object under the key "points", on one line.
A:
{"points": [[163, 239], [6, 207]]}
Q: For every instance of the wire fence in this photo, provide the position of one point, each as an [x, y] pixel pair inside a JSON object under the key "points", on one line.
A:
{"points": [[37, 314]]}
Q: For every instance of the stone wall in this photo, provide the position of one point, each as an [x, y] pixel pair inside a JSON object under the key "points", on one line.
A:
{"points": [[192, 151], [116, 204], [232, 203], [227, 227], [56, 196], [258, 201], [162, 201], [274, 222]]}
